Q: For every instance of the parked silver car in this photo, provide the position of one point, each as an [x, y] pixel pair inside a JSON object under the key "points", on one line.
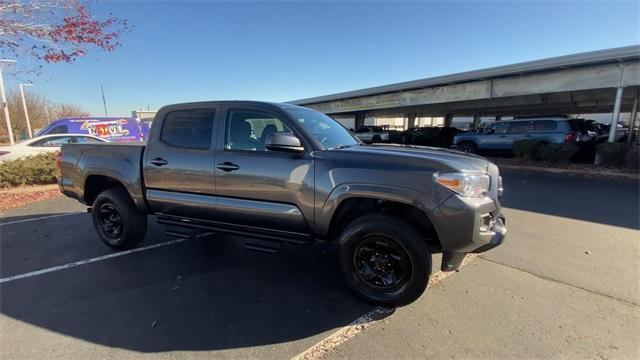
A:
{"points": [[372, 134]]}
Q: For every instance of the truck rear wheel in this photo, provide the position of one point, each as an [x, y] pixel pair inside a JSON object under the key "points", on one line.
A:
{"points": [[384, 260], [118, 222]]}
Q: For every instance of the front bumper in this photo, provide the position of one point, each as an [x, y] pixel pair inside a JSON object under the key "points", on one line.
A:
{"points": [[499, 231], [465, 226]]}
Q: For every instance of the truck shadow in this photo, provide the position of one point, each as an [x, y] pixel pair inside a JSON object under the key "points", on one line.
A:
{"points": [[203, 294]]}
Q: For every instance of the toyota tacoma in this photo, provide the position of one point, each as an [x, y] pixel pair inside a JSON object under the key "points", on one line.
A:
{"points": [[281, 173]]}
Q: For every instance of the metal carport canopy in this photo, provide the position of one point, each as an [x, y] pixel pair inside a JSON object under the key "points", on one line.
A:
{"points": [[584, 82]]}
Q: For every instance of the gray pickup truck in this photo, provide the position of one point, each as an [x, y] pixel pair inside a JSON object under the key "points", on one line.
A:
{"points": [[281, 173]]}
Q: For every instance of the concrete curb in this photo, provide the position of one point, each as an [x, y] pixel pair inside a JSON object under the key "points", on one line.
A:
{"points": [[28, 189], [599, 173]]}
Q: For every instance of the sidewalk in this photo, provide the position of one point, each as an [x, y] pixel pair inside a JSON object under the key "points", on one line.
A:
{"points": [[497, 312]]}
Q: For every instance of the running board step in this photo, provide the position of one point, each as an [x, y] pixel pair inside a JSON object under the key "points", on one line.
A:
{"points": [[261, 235], [261, 248], [178, 234]]}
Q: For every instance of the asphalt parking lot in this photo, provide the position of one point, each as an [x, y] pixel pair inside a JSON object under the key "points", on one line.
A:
{"points": [[565, 285]]}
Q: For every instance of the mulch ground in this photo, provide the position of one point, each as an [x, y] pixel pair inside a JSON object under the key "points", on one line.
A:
{"points": [[15, 197]]}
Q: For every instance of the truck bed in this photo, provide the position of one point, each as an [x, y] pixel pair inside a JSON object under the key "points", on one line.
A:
{"points": [[83, 163]]}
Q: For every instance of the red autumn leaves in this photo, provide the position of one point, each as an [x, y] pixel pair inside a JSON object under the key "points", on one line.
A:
{"points": [[55, 30]]}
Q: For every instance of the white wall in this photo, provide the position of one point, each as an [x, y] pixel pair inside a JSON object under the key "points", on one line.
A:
{"points": [[348, 122], [400, 123]]}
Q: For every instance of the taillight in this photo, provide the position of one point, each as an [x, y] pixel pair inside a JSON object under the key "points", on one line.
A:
{"points": [[569, 137], [59, 159]]}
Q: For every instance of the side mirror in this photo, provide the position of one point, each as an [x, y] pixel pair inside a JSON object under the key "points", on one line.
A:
{"points": [[285, 142]]}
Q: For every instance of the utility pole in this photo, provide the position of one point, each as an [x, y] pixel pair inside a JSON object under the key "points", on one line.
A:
{"points": [[24, 106], [104, 101], [7, 119]]}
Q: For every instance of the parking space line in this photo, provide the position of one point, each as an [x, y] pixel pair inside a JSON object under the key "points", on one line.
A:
{"points": [[91, 260], [322, 348], [39, 218]]}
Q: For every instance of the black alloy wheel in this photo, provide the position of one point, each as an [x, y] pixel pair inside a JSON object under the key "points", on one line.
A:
{"points": [[382, 263], [384, 260], [118, 222], [110, 221]]}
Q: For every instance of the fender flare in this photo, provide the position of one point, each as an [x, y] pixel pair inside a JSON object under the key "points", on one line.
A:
{"points": [[372, 191], [120, 178]]}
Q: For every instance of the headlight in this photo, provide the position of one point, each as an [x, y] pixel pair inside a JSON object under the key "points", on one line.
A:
{"points": [[473, 184]]}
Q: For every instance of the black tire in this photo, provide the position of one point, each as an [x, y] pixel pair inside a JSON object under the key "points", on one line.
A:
{"points": [[376, 139], [365, 270], [468, 146], [116, 219]]}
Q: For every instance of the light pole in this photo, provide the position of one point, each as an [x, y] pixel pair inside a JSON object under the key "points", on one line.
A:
{"points": [[6, 62], [24, 106]]}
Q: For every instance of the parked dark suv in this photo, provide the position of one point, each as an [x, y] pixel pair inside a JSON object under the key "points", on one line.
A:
{"points": [[501, 135]]}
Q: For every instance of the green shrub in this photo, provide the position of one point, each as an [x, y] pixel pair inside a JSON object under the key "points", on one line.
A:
{"points": [[558, 153], [33, 170], [527, 149], [611, 154]]}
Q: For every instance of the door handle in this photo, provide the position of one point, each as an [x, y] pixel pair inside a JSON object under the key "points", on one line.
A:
{"points": [[228, 166], [159, 162]]}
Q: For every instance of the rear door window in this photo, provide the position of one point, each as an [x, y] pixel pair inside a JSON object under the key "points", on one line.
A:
{"points": [[545, 125], [499, 128], [189, 129], [520, 127]]}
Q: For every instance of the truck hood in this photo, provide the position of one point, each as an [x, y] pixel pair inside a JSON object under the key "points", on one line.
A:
{"points": [[453, 159]]}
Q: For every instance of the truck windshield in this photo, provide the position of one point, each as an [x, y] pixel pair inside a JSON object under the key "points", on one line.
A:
{"points": [[328, 132]]}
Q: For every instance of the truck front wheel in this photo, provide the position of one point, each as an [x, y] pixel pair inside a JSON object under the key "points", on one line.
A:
{"points": [[118, 222], [384, 260]]}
